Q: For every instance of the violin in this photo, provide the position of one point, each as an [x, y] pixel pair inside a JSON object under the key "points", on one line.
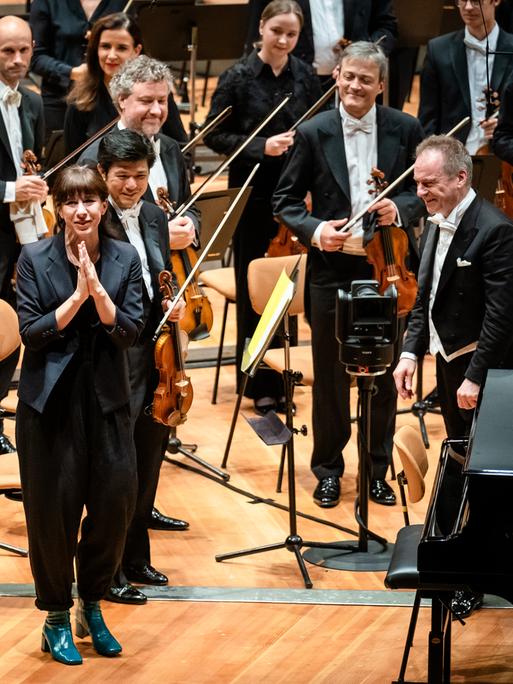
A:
{"points": [[173, 395], [198, 318], [386, 252], [285, 243], [504, 191], [32, 167]]}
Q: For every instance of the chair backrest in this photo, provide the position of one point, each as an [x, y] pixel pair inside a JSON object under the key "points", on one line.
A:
{"points": [[263, 275], [9, 333], [412, 452]]}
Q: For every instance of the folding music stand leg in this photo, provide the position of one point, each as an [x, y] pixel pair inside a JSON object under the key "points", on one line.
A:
{"points": [[293, 542]]}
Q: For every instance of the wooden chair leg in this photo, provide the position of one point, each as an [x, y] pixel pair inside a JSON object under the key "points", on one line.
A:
{"points": [[220, 352]]}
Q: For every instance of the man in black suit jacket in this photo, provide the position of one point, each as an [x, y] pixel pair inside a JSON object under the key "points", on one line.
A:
{"points": [[453, 78], [21, 128], [140, 91], [363, 20], [332, 159], [464, 308], [125, 158]]}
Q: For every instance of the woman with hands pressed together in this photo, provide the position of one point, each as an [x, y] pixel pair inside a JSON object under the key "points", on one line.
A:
{"points": [[80, 307]]}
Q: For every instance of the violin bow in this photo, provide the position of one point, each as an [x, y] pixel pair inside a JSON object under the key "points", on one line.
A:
{"points": [[395, 183], [183, 208], [315, 107], [206, 129], [205, 251], [81, 147]]}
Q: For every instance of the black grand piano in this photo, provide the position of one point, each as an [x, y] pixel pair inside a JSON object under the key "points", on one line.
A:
{"points": [[477, 550], [468, 545]]}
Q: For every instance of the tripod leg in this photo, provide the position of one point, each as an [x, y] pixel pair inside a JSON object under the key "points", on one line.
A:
{"points": [[234, 420], [250, 552], [302, 567], [423, 430], [279, 482], [14, 549], [204, 464]]}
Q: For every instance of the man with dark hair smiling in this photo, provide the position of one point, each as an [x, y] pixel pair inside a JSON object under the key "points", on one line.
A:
{"points": [[124, 160]]}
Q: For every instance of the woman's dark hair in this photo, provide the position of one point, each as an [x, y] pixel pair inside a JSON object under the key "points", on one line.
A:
{"points": [[124, 146], [77, 181], [84, 92]]}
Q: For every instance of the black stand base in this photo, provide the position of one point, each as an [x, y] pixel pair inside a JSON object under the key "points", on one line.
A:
{"points": [[292, 543], [175, 446], [347, 556]]}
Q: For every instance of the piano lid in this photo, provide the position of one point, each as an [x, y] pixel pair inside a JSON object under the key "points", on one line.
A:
{"points": [[491, 448]]}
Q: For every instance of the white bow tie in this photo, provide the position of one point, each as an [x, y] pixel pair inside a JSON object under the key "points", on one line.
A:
{"points": [[476, 45], [352, 126], [131, 213], [156, 146], [12, 97], [443, 223]]}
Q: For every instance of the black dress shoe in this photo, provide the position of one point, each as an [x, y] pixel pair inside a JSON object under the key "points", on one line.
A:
{"points": [[6, 446], [464, 603], [163, 522], [281, 406], [327, 492], [382, 493], [14, 494], [144, 574], [126, 594], [264, 404]]}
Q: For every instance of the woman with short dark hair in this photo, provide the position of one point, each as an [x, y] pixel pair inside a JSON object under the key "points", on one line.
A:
{"points": [[80, 308]]}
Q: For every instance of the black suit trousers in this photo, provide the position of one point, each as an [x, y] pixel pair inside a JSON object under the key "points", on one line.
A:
{"points": [[72, 457], [150, 443], [449, 376], [331, 414]]}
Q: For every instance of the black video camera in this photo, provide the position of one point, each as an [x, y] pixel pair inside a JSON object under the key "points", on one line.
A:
{"points": [[366, 327]]}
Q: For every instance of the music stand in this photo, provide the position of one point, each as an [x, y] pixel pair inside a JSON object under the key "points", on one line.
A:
{"points": [[275, 312], [213, 205], [173, 30], [412, 32]]}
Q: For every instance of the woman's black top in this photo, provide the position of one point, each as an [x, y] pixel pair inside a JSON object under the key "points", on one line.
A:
{"points": [[79, 126], [253, 90], [59, 28]]}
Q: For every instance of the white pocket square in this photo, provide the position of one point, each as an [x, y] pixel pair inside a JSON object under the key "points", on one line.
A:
{"points": [[462, 262]]}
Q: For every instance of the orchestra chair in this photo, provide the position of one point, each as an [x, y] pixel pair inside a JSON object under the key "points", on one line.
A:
{"points": [[9, 481], [222, 280], [403, 571], [9, 468], [262, 277]]}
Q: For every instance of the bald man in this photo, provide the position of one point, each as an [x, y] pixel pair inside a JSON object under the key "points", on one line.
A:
{"points": [[21, 128]]}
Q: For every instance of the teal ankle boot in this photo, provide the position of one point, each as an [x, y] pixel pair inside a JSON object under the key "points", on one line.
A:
{"points": [[57, 638], [90, 621]]}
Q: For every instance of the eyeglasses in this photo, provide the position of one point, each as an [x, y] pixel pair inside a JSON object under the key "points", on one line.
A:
{"points": [[461, 3]]}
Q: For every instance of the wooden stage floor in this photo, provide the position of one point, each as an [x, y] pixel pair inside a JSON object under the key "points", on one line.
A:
{"points": [[219, 623]]}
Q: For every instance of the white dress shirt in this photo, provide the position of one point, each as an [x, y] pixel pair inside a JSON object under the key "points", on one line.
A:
{"points": [[328, 28], [476, 64], [361, 147], [447, 227], [11, 117], [130, 221]]}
